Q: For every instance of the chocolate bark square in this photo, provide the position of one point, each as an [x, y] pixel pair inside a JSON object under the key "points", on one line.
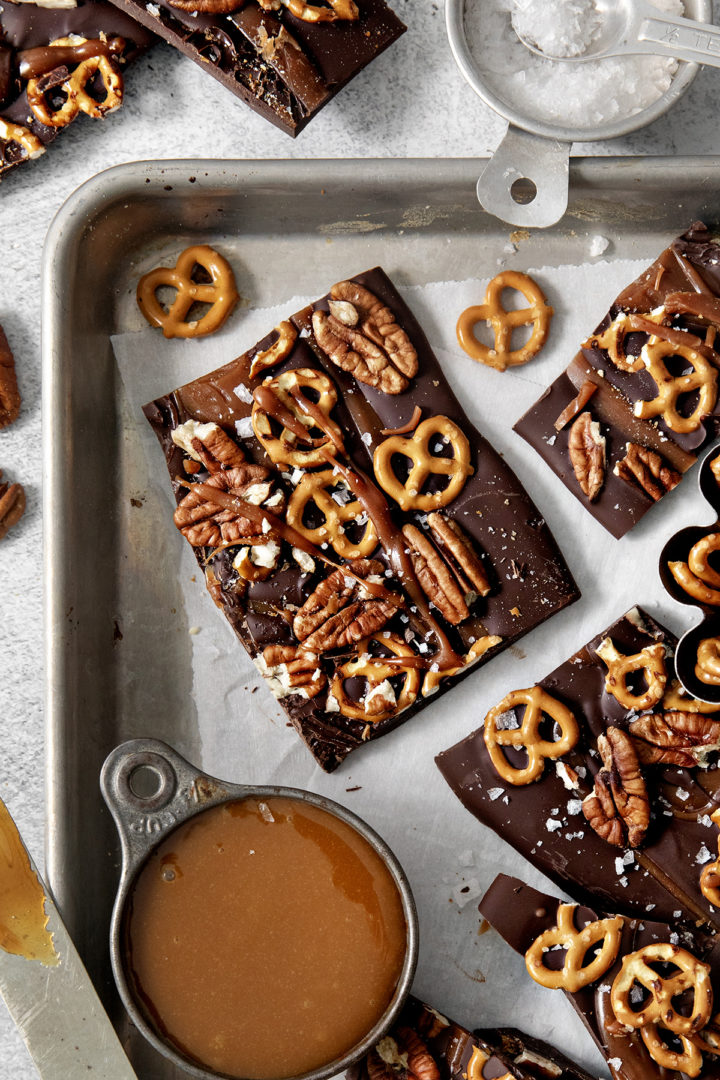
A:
{"points": [[465, 582], [26, 36], [645, 455], [425, 1045], [284, 67], [545, 820], [520, 914]]}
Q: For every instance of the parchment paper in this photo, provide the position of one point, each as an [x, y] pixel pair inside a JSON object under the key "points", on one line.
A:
{"points": [[393, 783]]}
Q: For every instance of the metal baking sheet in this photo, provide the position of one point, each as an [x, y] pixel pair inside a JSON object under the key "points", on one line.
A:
{"points": [[111, 585]]}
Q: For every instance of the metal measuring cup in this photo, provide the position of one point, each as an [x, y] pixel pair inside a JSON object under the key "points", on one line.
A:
{"points": [[177, 792], [526, 180]]}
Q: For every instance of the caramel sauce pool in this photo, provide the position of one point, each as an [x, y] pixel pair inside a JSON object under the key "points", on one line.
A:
{"points": [[265, 939]]}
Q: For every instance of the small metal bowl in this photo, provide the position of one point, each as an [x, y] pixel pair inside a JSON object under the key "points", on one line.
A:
{"points": [[177, 792], [526, 180]]}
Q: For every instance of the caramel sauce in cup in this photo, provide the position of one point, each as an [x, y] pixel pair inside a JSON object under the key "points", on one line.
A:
{"points": [[268, 936]]}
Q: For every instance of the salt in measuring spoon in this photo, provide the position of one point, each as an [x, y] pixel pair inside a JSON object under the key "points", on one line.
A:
{"points": [[635, 26]]}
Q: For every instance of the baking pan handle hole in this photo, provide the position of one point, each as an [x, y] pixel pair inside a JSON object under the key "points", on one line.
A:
{"points": [[526, 181]]}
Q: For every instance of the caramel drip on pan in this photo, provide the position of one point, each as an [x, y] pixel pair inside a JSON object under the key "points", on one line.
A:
{"points": [[23, 921]]}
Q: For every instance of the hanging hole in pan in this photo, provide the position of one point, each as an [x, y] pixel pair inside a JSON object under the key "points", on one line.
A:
{"points": [[145, 782], [523, 190]]}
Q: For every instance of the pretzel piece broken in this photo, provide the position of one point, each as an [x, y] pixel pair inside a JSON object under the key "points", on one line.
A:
{"points": [[22, 137], [503, 321], [75, 88], [502, 729], [651, 659], [221, 292], [575, 973]]}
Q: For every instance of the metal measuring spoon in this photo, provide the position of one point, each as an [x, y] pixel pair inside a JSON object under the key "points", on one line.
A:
{"points": [[635, 26]]}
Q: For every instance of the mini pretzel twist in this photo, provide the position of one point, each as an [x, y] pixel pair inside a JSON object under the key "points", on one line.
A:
{"points": [[707, 668], [77, 98], [651, 659], [409, 495], [477, 650], [692, 975], [336, 9], [612, 340], [527, 736], [702, 379], [574, 973], [688, 1061], [282, 449], [697, 577], [221, 293], [503, 322], [317, 488], [376, 673], [22, 137], [710, 880]]}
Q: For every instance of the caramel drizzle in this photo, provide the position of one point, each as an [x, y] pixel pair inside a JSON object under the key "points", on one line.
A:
{"points": [[410, 426], [283, 531], [577, 404], [665, 333], [40, 61], [375, 505], [686, 303]]}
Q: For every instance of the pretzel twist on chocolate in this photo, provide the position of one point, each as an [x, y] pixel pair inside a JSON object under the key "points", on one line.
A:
{"points": [[317, 488], [374, 707], [658, 1008], [575, 973], [651, 659], [284, 448], [702, 379], [498, 733], [409, 495], [75, 88]]}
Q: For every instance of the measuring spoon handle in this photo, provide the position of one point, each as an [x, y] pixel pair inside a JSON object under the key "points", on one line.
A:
{"points": [[684, 39]]}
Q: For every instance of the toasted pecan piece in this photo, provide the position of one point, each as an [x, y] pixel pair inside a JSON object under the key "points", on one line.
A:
{"points": [[618, 809], [674, 738], [12, 505], [292, 670], [586, 448], [337, 614], [204, 523], [454, 542], [647, 470], [208, 445], [436, 578], [9, 393]]}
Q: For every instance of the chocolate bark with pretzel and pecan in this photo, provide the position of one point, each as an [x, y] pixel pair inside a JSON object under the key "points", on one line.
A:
{"points": [[57, 64], [425, 1045], [604, 777], [367, 545], [646, 991], [286, 59], [641, 398]]}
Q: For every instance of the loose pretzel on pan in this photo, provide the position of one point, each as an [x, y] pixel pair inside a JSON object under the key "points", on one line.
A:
{"points": [[707, 668], [574, 974], [692, 975], [651, 659], [409, 495], [503, 321], [526, 736], [221, 292]]}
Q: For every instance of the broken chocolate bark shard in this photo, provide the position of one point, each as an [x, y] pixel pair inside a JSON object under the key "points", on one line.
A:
{"points": [[653, 360], [27, 29], [273, 566], [425, 1045], [520, 914], [285, 68], [550, 821]]}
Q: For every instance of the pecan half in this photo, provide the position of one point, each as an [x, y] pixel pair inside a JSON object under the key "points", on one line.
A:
{"points": [[674, 738], [12, 505], [457, 547], [337, 613], [435, 576], [205, 524], [292, 670], [421, 1065], [618, 808], [9, 393], [208, 444], [586, 447], [360, 335], [644, 468]]}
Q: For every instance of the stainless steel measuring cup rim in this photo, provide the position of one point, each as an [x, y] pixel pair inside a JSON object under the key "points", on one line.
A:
{"points": [[687, 70], [183, 792]]}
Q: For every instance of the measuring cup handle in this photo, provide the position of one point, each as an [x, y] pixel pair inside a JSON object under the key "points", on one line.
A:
{"points": [[174, 787], [684, 39], [521, 163]]}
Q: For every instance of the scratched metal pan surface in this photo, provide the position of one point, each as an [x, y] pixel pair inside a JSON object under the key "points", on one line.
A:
{"points": [[111, 579]]}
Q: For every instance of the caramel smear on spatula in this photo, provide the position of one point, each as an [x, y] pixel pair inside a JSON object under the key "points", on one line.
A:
{"points": [[23, 919]]}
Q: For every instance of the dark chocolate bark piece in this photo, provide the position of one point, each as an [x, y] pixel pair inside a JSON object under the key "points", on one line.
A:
{"points": [[520, 914], [24, 27], [425, 1045], [688, 266], [528, 579], [544, 820], [283, 67]]}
